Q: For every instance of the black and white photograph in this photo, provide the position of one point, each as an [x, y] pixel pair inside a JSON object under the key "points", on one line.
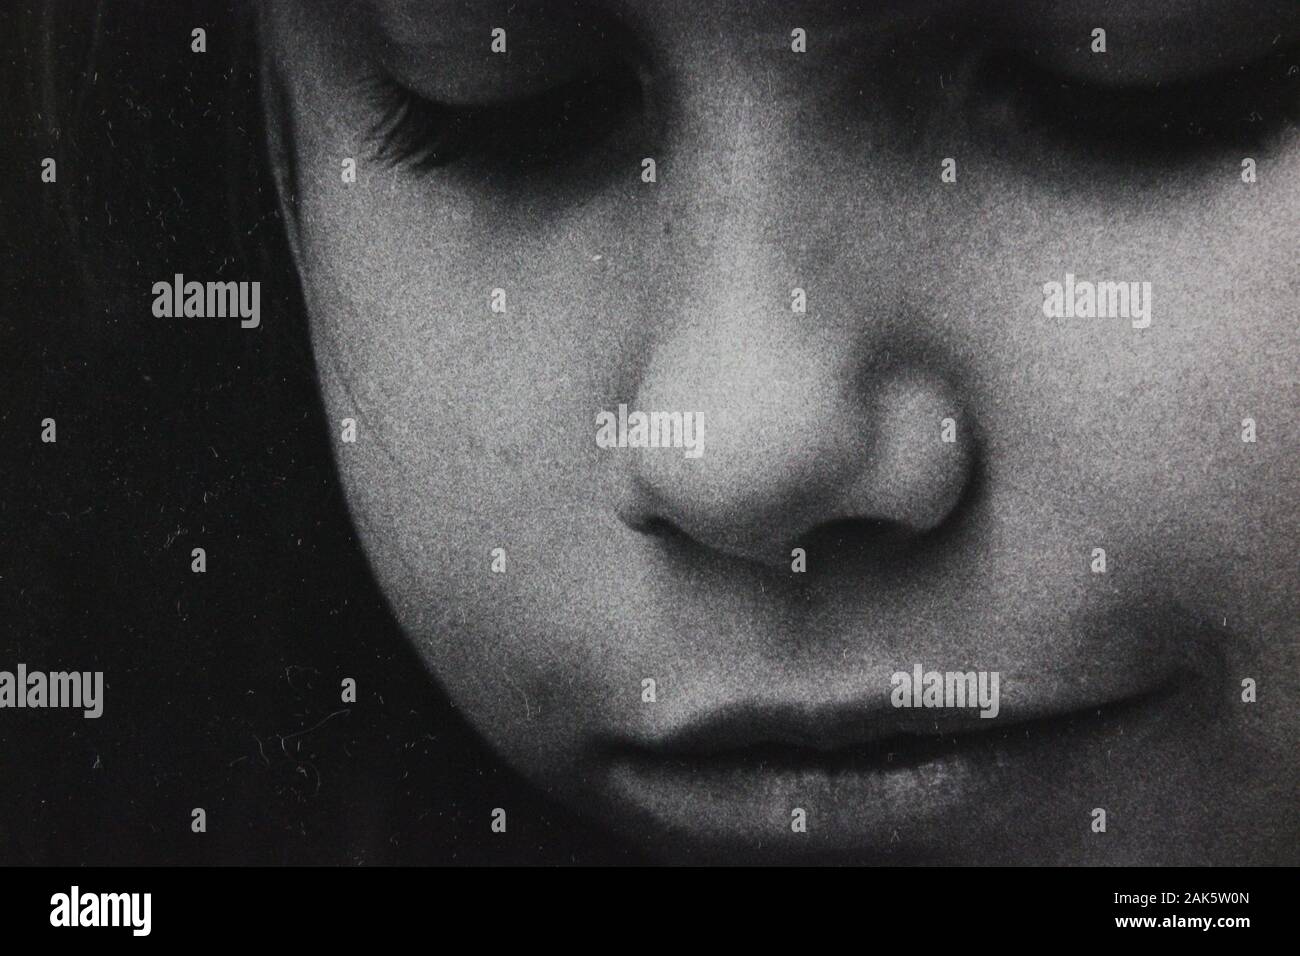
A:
{"points": [[691, 433]]}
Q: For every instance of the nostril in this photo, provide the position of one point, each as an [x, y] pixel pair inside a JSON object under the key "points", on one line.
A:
{"points": [[850, 537], [681, 542], [657, 526]]}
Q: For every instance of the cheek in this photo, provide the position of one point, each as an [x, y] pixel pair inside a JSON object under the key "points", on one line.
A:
{"points": [[480, 353], [474, 409], [1139, 433]]}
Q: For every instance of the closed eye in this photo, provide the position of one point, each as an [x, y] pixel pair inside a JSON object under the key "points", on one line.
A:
{"points": [[521, 137], [1242, 108]]}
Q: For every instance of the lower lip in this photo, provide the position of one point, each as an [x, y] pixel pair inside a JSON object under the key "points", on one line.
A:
{"points": [[730, 803]]}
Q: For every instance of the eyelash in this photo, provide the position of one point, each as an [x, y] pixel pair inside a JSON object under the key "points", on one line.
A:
{"points": [[547, 131], [1239, 109], [530, 135]]}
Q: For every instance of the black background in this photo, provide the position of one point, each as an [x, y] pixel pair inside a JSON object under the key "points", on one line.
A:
{"points": [[222, 690]]}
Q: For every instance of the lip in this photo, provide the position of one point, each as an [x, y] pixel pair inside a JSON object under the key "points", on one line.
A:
{"points": [[872, 774], [818, 729], [829, 734]]}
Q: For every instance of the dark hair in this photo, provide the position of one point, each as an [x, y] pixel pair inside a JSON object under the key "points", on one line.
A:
{"points": [[222, 688]]}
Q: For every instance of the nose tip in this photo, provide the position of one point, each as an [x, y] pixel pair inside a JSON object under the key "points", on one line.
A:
{"points": [[795, 448]]}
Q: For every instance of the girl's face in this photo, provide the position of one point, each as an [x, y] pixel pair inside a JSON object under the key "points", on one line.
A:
{"points": [[918, 469]]}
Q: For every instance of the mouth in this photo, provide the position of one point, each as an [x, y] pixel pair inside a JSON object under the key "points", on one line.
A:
{"points": [[875, 778], [854, 740], [870, 781]]}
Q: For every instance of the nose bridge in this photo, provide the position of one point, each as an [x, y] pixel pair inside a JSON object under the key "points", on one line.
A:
{"points": [[759, 208], [763, 375], [740, 174]]}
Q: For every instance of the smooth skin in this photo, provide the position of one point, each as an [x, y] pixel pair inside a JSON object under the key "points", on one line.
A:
{"points": [[775, 170]]}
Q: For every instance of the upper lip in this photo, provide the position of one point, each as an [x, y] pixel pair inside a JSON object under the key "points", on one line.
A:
{"points": [[838, 727], [825, 728]]}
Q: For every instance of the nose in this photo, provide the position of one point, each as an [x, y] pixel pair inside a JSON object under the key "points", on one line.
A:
{"points": [[798, 436], [848, 420]]}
